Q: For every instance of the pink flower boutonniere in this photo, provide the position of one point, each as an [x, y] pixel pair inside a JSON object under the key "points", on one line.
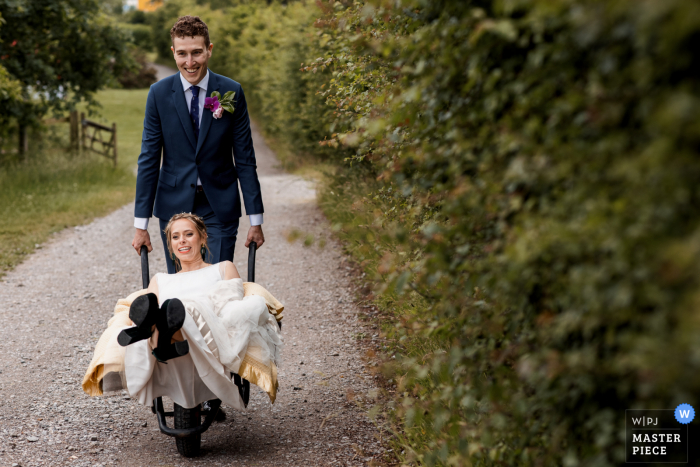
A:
{"points": [[218, 104]]}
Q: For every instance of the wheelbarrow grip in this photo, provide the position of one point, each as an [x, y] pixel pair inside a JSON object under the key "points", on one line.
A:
{"points": [[252, 246], [145, 276]]}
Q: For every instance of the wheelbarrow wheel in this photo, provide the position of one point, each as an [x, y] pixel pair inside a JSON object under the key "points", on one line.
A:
{"points": [[188, 418]]}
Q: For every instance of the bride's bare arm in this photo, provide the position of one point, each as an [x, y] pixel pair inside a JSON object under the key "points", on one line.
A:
{"points": [[230, 271]]}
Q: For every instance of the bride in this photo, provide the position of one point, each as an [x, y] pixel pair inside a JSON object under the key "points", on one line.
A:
{"points": [[195, 328]]}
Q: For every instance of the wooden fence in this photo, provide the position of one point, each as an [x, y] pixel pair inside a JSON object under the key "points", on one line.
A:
{"points": [[90, 136], [104, 136]]}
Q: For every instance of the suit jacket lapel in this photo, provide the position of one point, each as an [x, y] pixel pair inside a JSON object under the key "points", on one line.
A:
{"points": [[181, 107], [206, 115]]}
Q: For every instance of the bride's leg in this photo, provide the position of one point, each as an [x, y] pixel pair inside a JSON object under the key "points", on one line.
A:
{"points": [[177, 337], [154, 338]]}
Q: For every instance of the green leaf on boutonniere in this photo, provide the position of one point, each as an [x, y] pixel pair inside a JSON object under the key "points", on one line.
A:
{"points": [[218, 104]]}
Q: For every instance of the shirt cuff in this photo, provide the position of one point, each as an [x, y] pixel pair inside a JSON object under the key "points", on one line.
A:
{"points": [[255, 219], [141, 223]]}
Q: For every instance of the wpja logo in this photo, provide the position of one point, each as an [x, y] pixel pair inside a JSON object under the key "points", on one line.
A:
{"points": [[658, 435]]}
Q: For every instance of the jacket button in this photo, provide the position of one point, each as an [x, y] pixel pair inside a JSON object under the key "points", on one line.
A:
{"points": [[192, 185]]}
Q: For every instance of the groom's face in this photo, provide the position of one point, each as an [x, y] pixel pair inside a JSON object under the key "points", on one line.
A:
{"points": [[191, 56]]}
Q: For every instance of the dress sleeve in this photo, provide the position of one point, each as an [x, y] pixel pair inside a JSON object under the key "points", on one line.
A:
{"points": [[222, 269]]}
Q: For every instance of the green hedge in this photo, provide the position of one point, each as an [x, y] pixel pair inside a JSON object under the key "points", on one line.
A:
{"points": [[533, 167], [558, 142]]}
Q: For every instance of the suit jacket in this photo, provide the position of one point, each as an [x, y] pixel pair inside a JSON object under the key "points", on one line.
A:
{"points": [[169, 189]]}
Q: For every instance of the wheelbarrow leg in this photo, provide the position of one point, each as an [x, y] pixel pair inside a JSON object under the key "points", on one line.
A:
{"points": [[243, 388]]}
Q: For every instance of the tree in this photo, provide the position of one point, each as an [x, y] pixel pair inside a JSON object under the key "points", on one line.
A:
{"points": [[10, 95], [61, 51]]}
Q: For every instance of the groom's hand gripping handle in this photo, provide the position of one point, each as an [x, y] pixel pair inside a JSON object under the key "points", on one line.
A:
{"points": [[141, 238], [255, 234]]}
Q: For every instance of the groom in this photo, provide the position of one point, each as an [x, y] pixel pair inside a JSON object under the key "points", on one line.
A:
{"points": [[198, 174]]}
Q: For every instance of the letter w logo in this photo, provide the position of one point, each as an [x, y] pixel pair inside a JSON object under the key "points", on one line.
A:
{"points": [[684, 413]]}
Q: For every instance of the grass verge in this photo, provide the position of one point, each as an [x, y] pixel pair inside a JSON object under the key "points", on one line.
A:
{"points": [[54, 189], [53, 192]]}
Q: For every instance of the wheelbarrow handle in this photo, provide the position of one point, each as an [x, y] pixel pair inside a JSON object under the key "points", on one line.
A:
{"points": [[252, 246], [145, 276]]}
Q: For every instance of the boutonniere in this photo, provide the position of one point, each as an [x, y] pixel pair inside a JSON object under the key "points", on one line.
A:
{"points": [[218, 104]]}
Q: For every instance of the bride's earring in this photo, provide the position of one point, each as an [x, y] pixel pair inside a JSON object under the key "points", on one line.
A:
{"points": [[203, 251]]}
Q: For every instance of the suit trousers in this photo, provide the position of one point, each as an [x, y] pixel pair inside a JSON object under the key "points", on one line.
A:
{"points": [[221, 236]]}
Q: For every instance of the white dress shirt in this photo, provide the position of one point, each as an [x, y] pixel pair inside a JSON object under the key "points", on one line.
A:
{"points": [[142, 222]]}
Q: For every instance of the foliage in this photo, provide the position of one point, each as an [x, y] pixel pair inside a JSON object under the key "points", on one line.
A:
{"points": [[113, 7], [531, 169], [143, 77], [262, 47], [135, 17], [10, 94], [161, 20], [548, 158], [138, 34], [62, 51]]}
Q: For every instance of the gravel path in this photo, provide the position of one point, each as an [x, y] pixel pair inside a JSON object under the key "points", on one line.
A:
{"points": [[55, 305], [162, 71]]}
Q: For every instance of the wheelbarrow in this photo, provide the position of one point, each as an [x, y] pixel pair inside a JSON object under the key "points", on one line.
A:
{"points": [[187, 424]]}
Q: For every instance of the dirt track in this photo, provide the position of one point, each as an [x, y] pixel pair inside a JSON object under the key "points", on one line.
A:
{"points": [[55, 305]]}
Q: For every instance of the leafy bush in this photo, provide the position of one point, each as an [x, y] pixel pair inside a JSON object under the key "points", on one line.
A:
{"points": [[143, 76], [139, 35]]}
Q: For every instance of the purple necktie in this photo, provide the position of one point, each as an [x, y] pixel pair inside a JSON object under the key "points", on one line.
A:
{"points": [[194, 111]]}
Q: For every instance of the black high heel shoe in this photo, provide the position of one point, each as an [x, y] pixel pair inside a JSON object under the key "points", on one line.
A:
{"points": [[143, 312], [170, 320]]}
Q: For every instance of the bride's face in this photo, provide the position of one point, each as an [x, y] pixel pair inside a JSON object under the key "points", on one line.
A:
{"points": [[186, 241]]}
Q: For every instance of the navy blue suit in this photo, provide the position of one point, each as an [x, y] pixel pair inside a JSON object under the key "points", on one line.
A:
{"points": [[169, 189]]}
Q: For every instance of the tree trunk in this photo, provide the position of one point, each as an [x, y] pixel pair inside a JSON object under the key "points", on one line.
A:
{"points": [[74, 131], [23, 141]]}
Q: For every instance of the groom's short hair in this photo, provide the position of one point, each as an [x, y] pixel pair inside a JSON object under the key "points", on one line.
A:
{"points": [[190, 26]]}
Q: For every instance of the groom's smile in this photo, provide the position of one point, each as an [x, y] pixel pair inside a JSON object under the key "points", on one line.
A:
{"points": [[192, 56]]}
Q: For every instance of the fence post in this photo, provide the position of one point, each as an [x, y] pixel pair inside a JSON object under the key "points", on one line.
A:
{"points": [[74, 132], [114, 142], [82, 130]]}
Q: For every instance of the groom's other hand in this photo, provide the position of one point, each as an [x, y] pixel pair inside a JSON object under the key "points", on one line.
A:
{"points": [[141, 237], [255, 234]]}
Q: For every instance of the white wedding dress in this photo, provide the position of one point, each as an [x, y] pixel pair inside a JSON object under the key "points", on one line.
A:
{"points": [[228, 323]]}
